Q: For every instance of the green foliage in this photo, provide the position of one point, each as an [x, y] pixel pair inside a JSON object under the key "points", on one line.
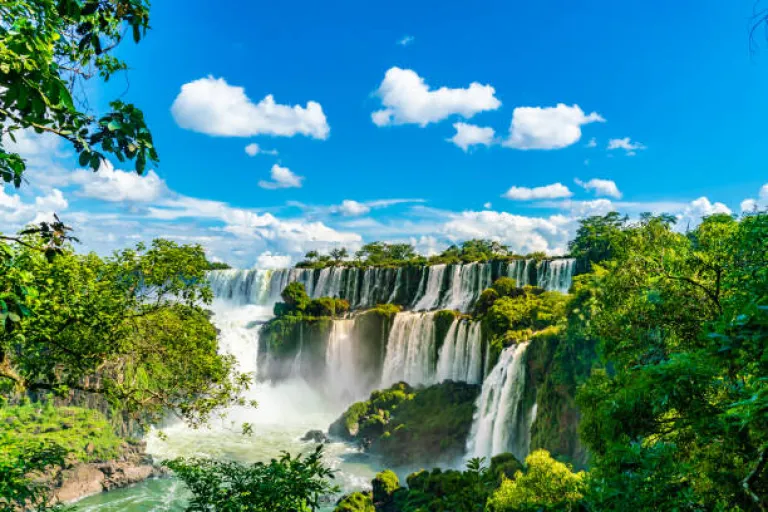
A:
{"points": [[295, 299], [365, 421], [388, 310], [505, 287], [383, 254], [85, 433], [129, 327], [288, 483], [327, 306], [384, 486], [595, 237], [504, 465], [296, 303], [48, 51], [516, 318], [682, 324], [447, 491], [545, 485], [218, 265], [356, 502], [407, 426], [21, 461]]}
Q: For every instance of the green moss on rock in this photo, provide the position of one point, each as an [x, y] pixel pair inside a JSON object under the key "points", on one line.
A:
{"points": [[356, 502], [85, 433], [406, 426]]}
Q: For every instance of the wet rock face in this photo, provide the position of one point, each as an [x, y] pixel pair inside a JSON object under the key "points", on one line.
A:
{"points": [[315, 436], [86, 479]]}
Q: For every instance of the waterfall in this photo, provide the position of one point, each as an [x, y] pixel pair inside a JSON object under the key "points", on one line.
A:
{"points": [[455, 286], [467, 282], [556, 275], [341, 362], [499, 424], [410, 353], [241, 286], [460, 356], [431, 295], [519, 270]]}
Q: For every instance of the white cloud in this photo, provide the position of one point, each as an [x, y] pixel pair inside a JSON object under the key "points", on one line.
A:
{"points": [[553, 191], [523, 234], [351, 208], [282, 177], [469, 135], [548, 127], [691, 215], [487, 206], [592, 143], [114, 185], [212, 106], [601, 187], [408, 100], [406, 40], [267, 260], [254, 149], [16, 213], [626, 144], [752, 204]]}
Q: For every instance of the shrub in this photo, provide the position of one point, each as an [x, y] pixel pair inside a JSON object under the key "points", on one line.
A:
{"points": [[356, 502], [546, 484]]}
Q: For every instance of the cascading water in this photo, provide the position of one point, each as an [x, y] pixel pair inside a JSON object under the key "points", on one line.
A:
{"points": [[460, 356], [430, 297], [500, 424], [455, 286], [410, 354], [341, 363], [556, 275]]}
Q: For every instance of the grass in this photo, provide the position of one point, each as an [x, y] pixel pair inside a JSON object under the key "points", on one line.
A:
{"points": [[85, 433]]}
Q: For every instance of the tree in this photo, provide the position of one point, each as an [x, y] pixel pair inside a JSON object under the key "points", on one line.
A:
{"points": [[339, 254], [129, 328], [48, 50], [546, 484], [19, 464], [676, 420], [593, 239], [288, 483]]}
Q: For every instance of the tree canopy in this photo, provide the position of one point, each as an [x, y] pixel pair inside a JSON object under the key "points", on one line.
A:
{"points": [[130, 327], [48, 50]]}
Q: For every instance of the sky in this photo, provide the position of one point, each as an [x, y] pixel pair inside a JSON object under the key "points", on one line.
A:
{"points": [[289, 126]]}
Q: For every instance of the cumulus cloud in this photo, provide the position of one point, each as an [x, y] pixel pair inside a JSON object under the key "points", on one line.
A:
{"points": [[114, 185], [691, 215], [523, 234], [15, 212], [254, 149], [592, 143], [212, 106], [407, 99], [759, 203], [487, 206], [282, 177], [470, 135], [267, 260], [631, 148], [548, 127], [600, 187], [553, 191]]}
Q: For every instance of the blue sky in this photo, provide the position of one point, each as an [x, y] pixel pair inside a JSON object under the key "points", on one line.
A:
{"points": [[671, 86]]}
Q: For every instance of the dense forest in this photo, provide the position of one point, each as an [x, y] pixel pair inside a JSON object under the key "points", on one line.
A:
{"points": [[629, 374]]}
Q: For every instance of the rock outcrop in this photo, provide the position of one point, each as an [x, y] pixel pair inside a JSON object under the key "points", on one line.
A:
{"points": [[85, 479]]}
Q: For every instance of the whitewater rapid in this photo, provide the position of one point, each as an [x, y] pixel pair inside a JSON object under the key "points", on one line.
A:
{"points": [[285, 412]]}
